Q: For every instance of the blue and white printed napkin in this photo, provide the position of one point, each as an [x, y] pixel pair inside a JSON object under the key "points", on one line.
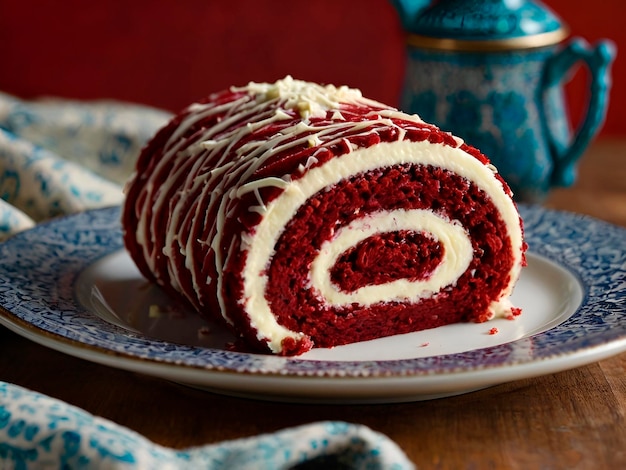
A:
{"points": [[60, 157], [40, 432]]}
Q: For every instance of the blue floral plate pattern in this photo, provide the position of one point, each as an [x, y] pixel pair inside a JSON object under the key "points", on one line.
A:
{"points": [[46, 274]]}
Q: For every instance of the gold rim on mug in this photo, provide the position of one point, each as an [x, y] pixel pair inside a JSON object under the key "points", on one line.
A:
{"points": [[522, 42]]}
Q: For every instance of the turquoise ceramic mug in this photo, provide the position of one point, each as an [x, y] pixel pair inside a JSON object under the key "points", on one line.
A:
{"points": [[493, 73]]}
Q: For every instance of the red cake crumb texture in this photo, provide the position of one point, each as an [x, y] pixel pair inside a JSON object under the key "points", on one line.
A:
{"points": [[307, 216]]}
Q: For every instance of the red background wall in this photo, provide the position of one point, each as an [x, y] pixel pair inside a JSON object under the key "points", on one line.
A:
{"points": [[152, 52]]}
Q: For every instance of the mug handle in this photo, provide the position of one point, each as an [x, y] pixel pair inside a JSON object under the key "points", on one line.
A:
{"points": [[598, 60]]}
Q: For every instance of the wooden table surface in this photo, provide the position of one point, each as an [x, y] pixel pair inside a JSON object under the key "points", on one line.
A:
{"points": [[572, 419]]}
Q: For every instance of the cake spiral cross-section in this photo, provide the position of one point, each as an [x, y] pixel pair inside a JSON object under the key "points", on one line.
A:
{"points": [[309, 216]]}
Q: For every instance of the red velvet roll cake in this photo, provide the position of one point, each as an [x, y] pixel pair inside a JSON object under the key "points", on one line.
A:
{"points": [[306, 215]]}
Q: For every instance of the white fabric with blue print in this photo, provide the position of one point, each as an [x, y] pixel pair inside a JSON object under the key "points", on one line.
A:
{"points": [[40, 432], [60, 156]]}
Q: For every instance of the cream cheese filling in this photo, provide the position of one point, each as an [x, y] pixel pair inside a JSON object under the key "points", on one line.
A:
{"points": [[457, 255]]}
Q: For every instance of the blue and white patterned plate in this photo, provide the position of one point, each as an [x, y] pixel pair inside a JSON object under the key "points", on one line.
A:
{"points": [[70, 285]]}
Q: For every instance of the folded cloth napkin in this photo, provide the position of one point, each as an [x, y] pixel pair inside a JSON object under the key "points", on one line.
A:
{"points": [[62, 156], [37, 431], [59, 157]]}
